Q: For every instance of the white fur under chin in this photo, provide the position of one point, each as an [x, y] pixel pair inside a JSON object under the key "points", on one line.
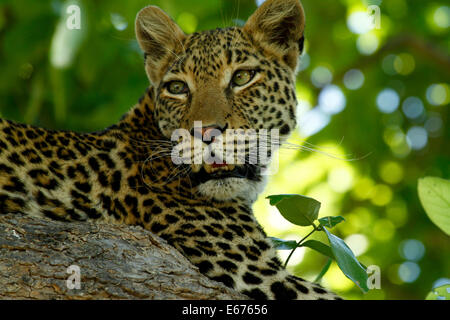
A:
{"points": [[232, 188]]}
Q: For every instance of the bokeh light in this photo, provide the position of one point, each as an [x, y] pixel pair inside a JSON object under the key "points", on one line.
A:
{"points": [[417, 137], [305, 60], [413, 107], [383, 230], [388, 100], [332, 100], [341, 179], [321, 76], [412, 249], [358, 243], [397, 212], [337, 280], [396, 140], [302, 108], [438, 94], [118, 21], [404, 64], [434, 124], [353, 79], [363, 188], [357, 220], [367, 43], [391, 172], [312, 122], [276, 220], [409, 271], [382, 195], [441, 17], [360, 22]]}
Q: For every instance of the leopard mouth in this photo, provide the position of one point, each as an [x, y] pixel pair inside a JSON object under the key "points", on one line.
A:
{"points": [[247, 171]]}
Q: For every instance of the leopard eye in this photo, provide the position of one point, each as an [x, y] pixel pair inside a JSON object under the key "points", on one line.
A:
{"points": [[177, 87], [242, 77]]}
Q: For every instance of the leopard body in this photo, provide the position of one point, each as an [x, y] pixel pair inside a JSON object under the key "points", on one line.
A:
{"points": [[125, 174]]}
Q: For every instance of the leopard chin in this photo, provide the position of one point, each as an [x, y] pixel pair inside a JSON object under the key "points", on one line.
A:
{"points": [[227, 189], [225, 183]]}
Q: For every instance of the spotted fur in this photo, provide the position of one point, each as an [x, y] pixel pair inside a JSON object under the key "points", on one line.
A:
{"points": [[125, 174]]}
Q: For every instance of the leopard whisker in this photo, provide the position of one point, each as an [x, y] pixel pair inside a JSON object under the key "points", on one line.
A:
{"points": [[177, 172], [147, 141], [150, 160]]}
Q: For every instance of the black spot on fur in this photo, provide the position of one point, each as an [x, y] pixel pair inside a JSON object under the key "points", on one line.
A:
{"points": [[190, 251], [285, 129], [116, 181], [250, 278], [281, 292], [158, 227], [5, 169], [319, 290], [227, 265], [83, 187], [255, 294], [93, 163], [205, 266], [225, 279]]}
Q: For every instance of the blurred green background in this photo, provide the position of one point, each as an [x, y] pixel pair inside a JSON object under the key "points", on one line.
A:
{"points": [[373, 97]]}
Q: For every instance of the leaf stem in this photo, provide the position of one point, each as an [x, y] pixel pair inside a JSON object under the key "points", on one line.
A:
{"points": [[324, 270], [300, 242]]}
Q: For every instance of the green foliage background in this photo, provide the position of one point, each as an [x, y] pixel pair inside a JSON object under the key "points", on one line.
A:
{"points": [[376, 192]]}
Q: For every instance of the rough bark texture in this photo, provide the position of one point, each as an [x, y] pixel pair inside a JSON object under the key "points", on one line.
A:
{"points": [[115, 261]]}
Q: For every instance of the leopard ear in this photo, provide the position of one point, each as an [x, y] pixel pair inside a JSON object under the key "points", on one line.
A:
{"points": [[160, 38], [278, 26]]}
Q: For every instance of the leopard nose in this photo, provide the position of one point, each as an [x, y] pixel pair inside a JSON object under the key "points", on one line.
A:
{"points": [[208, 133]]}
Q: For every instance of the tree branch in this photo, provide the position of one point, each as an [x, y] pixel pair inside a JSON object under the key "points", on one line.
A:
{"points": [[115, 261]]}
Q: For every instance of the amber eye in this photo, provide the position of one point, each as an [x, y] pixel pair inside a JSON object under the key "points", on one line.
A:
{"points": [[242, 77], [177, 87]]}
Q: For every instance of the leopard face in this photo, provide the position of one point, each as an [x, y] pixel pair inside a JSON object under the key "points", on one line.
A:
{"points": [[235, 80]]}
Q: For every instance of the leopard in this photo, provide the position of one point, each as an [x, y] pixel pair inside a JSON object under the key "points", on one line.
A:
{"points": [[239, 77]]}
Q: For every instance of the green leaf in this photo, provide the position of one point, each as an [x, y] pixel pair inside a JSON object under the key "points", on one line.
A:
{"points": [[319, 247], [299, 210], [347, 261], [434, 194], [439, 293], [330, 222], [324, 270], [281, 244]]}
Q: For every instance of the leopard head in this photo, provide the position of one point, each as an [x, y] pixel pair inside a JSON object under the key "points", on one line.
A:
{"points": [[237, 80]]}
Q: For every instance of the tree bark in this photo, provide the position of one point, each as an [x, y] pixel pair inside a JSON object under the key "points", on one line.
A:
{"points": [[115, 262]]}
